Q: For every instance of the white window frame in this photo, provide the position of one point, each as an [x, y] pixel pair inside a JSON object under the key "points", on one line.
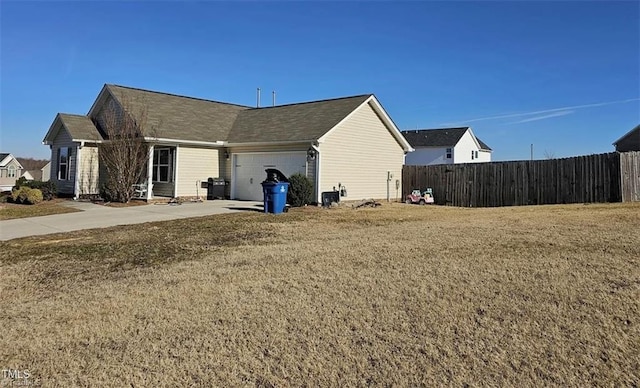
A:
{"points": [[157, 165], [449, 153], [66, 163], [11, 172]]}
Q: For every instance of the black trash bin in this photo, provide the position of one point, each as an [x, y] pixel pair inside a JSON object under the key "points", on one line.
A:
{"points": [[215, 188]]}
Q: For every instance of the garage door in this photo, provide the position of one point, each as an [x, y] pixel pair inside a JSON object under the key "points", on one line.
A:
{"points": [[249, 171]]}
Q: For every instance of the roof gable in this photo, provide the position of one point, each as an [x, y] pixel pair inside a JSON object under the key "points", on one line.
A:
{"points": [[634, 131], [79, 128], [305, 121], [7, 158]]}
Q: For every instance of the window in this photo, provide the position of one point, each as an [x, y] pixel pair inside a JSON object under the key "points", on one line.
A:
{"points": [[162, 165], [449, 153], [64, 154], [476, 154], [472, 153], [11, 172]]}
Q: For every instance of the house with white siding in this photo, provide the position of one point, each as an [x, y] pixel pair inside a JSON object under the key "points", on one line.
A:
{"points": [[345, 142], [445, 146], [10, 171]]}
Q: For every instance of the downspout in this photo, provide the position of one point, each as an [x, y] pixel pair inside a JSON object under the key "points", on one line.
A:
{"points": [[150, 174]]}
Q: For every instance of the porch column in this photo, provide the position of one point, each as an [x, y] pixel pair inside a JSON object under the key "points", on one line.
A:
{"points": [[76, 159], [150, 174]]}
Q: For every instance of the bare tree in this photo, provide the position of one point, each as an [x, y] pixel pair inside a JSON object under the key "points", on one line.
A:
{"points": [[124, 152], [549, 154]]}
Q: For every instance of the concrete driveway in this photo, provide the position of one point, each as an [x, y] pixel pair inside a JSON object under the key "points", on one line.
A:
{"points": [[98, 216]]}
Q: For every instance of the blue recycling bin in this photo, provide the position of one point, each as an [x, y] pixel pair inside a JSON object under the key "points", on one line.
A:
{"points": [[275, 196]]}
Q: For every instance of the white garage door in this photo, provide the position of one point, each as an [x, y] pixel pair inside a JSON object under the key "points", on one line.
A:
{"points": [[249, 171]]}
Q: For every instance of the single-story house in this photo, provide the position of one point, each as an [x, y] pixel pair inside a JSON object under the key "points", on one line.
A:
{"points": [[10, 171], [349, 142], [445, 146], [630, 141]]}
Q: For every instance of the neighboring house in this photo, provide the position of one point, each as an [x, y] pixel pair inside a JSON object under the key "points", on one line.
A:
{"points": [[45, 172], [347, 141], [10, 171], [630, 141], [446, 146], [39, 170]]}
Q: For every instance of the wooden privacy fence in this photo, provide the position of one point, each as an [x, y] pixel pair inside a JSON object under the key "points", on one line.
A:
{"points": [[612, 177]]}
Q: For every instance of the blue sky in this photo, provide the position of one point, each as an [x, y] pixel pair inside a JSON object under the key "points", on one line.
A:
{"points": [[564, 76]]}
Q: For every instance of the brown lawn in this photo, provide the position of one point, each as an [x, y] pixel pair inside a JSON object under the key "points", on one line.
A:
{"points": [[400, 295], [10, 211]]}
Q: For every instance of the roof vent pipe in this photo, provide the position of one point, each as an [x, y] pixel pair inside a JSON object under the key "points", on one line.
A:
{"points": [[273, 98], [258, 99]]}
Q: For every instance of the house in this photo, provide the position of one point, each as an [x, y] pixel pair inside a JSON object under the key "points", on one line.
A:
{"points": [[446, 146], [45, 172], [37, 169], [10, 171], [345, 142], [630, 141], [27, 175]]}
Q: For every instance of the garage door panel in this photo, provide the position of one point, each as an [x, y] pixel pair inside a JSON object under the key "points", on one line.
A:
{"points": [[249, 171]]}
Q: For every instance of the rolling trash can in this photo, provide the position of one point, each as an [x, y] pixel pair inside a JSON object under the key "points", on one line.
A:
{"points": [[215, 188], [274, 190]]}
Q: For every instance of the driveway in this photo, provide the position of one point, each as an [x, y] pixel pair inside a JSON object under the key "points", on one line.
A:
{"points": [[98, 216]]}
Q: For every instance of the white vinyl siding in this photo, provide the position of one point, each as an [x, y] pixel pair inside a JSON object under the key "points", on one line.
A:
{"points": [[195, 165], [463, 150], [358, 154], [6, 181]]}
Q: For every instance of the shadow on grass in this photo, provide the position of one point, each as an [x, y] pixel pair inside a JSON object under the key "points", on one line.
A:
{"points": [[250, 209]]}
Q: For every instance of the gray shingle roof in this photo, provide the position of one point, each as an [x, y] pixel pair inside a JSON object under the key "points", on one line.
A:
{"points": [[80, 127], [443, 137], [2, 156], [179, 117], [439, 137], [295, 122], [483, 145]]}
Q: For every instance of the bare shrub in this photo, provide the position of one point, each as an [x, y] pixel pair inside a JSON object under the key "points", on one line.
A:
{"points": [[124, 152]]}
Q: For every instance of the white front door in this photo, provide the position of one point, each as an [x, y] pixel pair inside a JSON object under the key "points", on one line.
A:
{"points": [[249, 171]]}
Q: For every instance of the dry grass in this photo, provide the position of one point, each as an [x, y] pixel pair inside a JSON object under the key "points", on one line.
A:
{"points": [[9, 211], [399, 295]]}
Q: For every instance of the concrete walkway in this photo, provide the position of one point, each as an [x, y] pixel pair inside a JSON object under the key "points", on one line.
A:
{"points": [[99, 216]]}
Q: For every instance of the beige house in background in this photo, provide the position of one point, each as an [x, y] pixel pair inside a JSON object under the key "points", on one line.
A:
{"points": [[349, 142], [10, 171]]}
